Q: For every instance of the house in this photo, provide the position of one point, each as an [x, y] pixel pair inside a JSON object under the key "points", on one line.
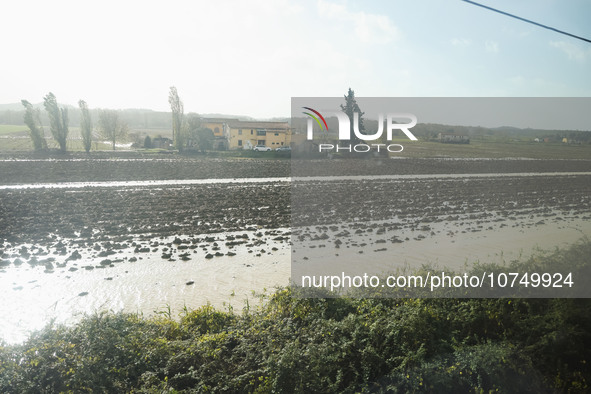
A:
{"points": [[450, 138], [220, 129], [247, 134]]}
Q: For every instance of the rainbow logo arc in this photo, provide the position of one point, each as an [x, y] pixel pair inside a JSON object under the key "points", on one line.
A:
{"points": [[325, 128]]}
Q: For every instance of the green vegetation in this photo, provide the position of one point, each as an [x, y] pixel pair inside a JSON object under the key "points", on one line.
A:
{"points": [[350, 108], [12, 129], [291, 344], [33, 122], [198, 138], [85, 125], [147, 142], [179, 126], [58, 121], [14, 138]]}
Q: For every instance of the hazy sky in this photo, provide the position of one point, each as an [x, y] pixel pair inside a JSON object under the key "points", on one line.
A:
{"points": [[251, 57]]}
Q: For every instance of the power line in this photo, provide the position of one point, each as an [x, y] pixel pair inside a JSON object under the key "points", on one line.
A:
{"points": [[527, 20]]}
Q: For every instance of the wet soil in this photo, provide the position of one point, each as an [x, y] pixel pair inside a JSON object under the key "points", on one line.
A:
{"points": [[24, 169], [103, 213], [76, 168], [431, 200], [62, 226]]}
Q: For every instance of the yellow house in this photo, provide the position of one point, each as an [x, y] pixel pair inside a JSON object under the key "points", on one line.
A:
{"points": [[246, 134], [220, 129]]}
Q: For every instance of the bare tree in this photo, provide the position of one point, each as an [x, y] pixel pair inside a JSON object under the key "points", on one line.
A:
{"points": [[58, 120], [111, 127], [32, 119], [85, 126], [178, 126]]}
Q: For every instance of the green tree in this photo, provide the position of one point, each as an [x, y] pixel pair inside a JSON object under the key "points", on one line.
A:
{"points": [[32, 119], [349, 108], [148, 142], [58, 120], [85, 126], [178, 121], [198, 137], [111, 127], [205, 139]]}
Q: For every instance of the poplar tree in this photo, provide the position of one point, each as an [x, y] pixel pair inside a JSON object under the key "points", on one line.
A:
{"points": [[58, 120], [178, 126], [32, 119], [85, 126]]}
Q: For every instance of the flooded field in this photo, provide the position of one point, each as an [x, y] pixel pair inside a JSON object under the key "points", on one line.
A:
{"points": [[222, 269], [139, 235]]}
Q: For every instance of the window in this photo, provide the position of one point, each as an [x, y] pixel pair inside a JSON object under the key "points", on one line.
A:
{"points": [[240, 142], [276, 134], [217, 130], [240, 132], [261, 142], [261, 132], [251, 132]]}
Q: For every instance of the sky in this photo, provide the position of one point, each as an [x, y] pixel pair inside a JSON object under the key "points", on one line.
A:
{"points": [[250, 57]]}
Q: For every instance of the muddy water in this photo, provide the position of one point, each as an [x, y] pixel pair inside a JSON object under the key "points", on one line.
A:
{"points": [[444, 246], [34, 296]]}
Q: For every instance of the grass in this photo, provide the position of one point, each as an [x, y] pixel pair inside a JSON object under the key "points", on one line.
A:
{"points": [[24, 145], [495, 149], [15, 138], [13, 129]]}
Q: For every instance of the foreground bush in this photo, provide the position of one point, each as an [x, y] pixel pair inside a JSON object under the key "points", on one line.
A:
{"points": [[317, 345]]}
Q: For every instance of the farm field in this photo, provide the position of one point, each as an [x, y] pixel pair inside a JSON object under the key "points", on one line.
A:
{"points": [[481, 148], [128, 238], [15, 139], [13, 129], [119, 220]]}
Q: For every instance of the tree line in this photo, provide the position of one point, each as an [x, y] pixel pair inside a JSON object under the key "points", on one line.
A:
{"points": [[110, 126], [187, 132]]}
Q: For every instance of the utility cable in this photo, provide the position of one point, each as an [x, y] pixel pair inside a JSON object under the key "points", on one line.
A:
{"points": [[527, 20]]}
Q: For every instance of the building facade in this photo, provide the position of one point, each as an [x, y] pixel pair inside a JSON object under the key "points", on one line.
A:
{"points": [[247, 134], [220, 129], [236, 134]]}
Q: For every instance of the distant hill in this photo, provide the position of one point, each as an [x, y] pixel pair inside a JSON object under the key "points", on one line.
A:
{"points": [[138, 118], [224, 116], [17, 106]]}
